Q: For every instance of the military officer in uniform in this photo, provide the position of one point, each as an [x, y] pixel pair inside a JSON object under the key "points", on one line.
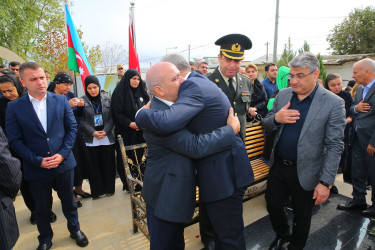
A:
{"points": [[236, 86]]}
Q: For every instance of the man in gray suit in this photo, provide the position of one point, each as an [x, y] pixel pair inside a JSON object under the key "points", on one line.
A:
{"points": [[10, 182], [310, 125], [170, 179], [363, 142]]}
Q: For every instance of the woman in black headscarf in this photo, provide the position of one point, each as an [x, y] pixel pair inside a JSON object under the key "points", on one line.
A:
{"points": [[61, 85], [97, 125], [12, 89], [127, 98], [334, 84]]}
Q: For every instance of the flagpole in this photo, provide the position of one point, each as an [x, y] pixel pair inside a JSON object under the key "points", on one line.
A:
{"points": [[133, 55], [131, 9]]}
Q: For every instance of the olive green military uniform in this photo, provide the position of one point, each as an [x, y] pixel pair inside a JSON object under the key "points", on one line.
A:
{"points": [[242, 99]]}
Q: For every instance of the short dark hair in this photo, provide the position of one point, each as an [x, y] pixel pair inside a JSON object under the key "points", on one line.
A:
{"points": [[2, 66], [7, 72], [46, 71], [268, 65], [14, 63], [29, 65], [351, 83]]}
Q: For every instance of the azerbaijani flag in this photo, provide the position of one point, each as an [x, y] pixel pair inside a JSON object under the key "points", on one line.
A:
{"points": [[77, 59]]}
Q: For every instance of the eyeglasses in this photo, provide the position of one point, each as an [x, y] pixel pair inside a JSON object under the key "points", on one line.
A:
{"points": [[299, 76]]}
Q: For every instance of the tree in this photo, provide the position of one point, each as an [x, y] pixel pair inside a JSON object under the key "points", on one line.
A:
{"points": [[22, 22], [287, 55], [112, 54], [323, 72], [354, 35], [305, 48], [35, 30]]}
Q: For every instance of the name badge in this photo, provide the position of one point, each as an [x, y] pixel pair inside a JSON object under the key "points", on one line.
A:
{"points": [[98, 120]]}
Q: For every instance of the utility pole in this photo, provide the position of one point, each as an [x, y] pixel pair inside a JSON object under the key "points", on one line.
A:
{"points": [[276, 32], [267, 43], [189, 53]]}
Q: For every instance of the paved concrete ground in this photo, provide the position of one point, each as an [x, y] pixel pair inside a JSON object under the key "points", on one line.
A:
{"points": [[107, 222]]}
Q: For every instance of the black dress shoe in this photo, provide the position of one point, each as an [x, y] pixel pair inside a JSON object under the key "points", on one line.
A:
{"points": [[81, 239], [32, 219], [278, 243], [351, 206], [369, 212], [52, 217], [209, 245], [84, 195], [45, 246], [79, 204]]}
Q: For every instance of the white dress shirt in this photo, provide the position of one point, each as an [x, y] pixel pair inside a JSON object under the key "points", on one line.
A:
{"points": [[40, 108]]}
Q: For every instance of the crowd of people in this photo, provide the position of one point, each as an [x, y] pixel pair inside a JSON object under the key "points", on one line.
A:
{"points": [[194, 126]]}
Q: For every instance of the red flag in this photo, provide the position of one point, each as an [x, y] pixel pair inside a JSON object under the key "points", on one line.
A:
{"points": [[133, 56]]}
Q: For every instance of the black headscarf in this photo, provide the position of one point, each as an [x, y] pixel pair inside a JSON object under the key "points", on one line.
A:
{"points": [[61, 77], [14, 80], [126, 101], [4, 101], [94, 99]]}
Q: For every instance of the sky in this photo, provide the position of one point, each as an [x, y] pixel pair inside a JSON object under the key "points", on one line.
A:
{"points": [[162, 25]]}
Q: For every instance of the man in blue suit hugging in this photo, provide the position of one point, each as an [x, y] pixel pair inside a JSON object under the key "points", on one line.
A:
{"points": [[202, 108]]}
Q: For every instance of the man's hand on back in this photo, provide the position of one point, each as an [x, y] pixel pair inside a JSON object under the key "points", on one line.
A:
{"points": [[233, 121]]}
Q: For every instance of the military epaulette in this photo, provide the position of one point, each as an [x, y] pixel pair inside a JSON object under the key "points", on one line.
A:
{"points": [[244, 75]]}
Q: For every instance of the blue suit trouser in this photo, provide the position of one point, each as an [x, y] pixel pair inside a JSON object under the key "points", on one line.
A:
{"points": [[164, 235], [227, 221], [41, 191], [363, 169]]}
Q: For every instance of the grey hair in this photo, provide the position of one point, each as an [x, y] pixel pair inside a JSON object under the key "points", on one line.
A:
{"points": [[178, 60], [305, 60], [367, 63]]}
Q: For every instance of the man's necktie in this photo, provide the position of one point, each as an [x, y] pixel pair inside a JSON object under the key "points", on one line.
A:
{"points": [[231, 88]]}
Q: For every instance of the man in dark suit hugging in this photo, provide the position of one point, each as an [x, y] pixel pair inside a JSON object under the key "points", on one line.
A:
{"points": [[170, 178]]}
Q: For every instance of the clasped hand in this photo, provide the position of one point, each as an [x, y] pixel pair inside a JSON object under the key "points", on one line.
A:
{"points": [[52, 162], [99, 134]]}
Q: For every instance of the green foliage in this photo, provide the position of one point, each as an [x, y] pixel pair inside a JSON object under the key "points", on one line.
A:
{"points": [[305, 48], [23, 21], [323, 72], [354, 35], [36, 30], [287, 55]]}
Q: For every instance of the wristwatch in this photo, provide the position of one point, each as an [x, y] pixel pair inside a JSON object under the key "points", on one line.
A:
{"points": [[325, 184]]}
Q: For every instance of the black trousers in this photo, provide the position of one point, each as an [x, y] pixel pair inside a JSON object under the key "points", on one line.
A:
{"points": [[283, 182], [103, 170], [42, 194]]}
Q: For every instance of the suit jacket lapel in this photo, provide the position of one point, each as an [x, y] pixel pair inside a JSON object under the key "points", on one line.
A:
{"points": [[50, 110], [29, 109], [316, 104], [369, 93]]}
